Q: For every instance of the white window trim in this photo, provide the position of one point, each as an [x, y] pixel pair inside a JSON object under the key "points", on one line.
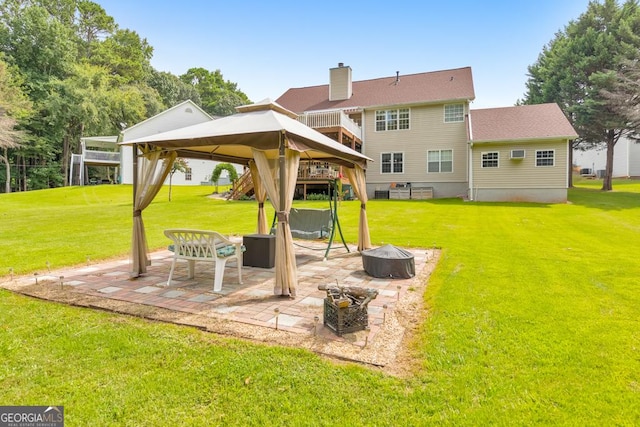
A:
{"points": [[482, 160], [440, 160], [444, 113], [397, 110], [545, 166], [392, 172]]}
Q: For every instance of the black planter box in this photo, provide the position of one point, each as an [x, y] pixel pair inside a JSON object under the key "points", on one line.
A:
{"points": [[261, 250]]}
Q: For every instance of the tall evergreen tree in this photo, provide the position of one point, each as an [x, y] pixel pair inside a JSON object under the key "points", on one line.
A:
{"points": [[574, 69]]}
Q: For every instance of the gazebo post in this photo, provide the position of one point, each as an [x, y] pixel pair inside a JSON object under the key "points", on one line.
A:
{"points": [[134, 147], [282, 171], [134, 249]]}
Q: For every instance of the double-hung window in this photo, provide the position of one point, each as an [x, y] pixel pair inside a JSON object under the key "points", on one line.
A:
{"points": [[440, 161], [392, 163], [392, 119], [490, 159], [545, 157], [187, 174], [453, 113]]}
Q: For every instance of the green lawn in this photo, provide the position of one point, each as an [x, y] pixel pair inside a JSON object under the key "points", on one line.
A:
{"points": [[531, 317]]}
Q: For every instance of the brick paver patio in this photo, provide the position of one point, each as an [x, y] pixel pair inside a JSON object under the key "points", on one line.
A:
{"points": [[253, 303]]}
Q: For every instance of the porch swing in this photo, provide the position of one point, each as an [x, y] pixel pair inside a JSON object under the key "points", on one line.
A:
{"points": [[314, 224]]}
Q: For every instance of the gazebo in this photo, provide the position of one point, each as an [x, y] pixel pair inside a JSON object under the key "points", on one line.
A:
{"points": [[268, 139]]}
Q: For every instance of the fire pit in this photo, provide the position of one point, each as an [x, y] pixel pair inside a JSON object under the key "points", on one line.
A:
{"points": [[388, 261], [345, 308]]}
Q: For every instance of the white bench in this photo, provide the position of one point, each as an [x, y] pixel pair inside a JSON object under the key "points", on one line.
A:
{"points": [[204, 245]]}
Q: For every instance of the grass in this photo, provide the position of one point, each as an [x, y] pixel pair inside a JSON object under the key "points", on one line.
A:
{"points": [[531, 318]]}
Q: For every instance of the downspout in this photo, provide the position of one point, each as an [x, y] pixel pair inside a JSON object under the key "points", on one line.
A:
{"points": [[569, 156], [470, 157]]}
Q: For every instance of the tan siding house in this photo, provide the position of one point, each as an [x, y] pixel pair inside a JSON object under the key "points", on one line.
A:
{"points": [[427, 133], [520, 154], [421, 134]]}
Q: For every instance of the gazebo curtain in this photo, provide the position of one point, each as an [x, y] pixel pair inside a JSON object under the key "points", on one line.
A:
{"points": [[261, 195], [286, 271], [357, 179], [153, 168]]}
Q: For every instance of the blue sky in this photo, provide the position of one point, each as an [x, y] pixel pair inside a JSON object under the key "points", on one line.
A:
{"points": [[267, 47]]}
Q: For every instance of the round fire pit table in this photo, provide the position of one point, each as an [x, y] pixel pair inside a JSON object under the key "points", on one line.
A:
{"points": [[388, 262]]}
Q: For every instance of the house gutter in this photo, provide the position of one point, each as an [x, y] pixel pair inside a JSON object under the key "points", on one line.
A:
{"points": [[420, 103], [527, 139]]}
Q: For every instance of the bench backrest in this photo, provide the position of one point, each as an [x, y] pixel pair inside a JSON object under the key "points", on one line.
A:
{"points": [[310, 223], [195, 244]]}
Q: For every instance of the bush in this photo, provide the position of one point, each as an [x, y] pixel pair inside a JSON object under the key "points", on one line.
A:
{"points": [[317, 196]]}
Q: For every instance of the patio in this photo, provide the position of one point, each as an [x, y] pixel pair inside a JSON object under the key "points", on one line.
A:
{"points": [[251, 310]]}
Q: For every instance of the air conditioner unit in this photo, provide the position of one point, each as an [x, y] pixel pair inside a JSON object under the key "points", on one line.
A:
{"points": [[517, 154]]}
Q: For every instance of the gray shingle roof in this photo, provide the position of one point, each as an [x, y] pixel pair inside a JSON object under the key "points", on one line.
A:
{"points": [[541, 121], [422, 88]]}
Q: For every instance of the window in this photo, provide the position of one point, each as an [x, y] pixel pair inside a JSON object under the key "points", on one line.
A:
{"points": [[453, 113], [391, 163], [490, 160], [440, 161], [187, 174], [392, 119], [545, 157]]}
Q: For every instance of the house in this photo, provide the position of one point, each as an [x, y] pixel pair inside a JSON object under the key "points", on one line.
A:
{"points": [[421, 132], [105, 151], [520, 154], [95, 151], [182, 115], [626, 160]]}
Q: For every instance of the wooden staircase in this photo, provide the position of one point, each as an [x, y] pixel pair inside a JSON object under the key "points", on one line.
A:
{"points": [[242, 187]]}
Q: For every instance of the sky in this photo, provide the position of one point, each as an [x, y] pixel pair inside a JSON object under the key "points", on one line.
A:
{"points": [[267, 47]]}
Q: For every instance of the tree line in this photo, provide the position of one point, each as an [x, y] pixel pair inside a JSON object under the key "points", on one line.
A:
{"points": [[67, 70]]}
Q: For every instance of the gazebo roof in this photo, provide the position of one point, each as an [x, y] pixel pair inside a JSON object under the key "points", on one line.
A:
{"points": [[256, 126]]}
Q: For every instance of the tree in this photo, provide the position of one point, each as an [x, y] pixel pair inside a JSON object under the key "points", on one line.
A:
{"points": [[42, 48], [83, 75], [92, 23], [574, 69], [39, 45], [125, 54], [215, 176], [179, 165], [13, 105], [624, 95], [219, 97], [171, 89]]}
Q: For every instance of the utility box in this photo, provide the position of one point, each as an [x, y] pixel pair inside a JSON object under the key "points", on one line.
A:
{"points": [[261, 250]]}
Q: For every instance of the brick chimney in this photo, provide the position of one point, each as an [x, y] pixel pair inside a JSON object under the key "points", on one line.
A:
{"points": [[340, 83]]}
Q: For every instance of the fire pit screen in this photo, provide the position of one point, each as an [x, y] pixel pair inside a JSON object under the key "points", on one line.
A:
{"points": [[345, 308]]}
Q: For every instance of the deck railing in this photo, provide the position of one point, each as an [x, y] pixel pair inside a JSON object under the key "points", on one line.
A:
{"points": [[314, 170], [102, 156], [328, 119]]}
